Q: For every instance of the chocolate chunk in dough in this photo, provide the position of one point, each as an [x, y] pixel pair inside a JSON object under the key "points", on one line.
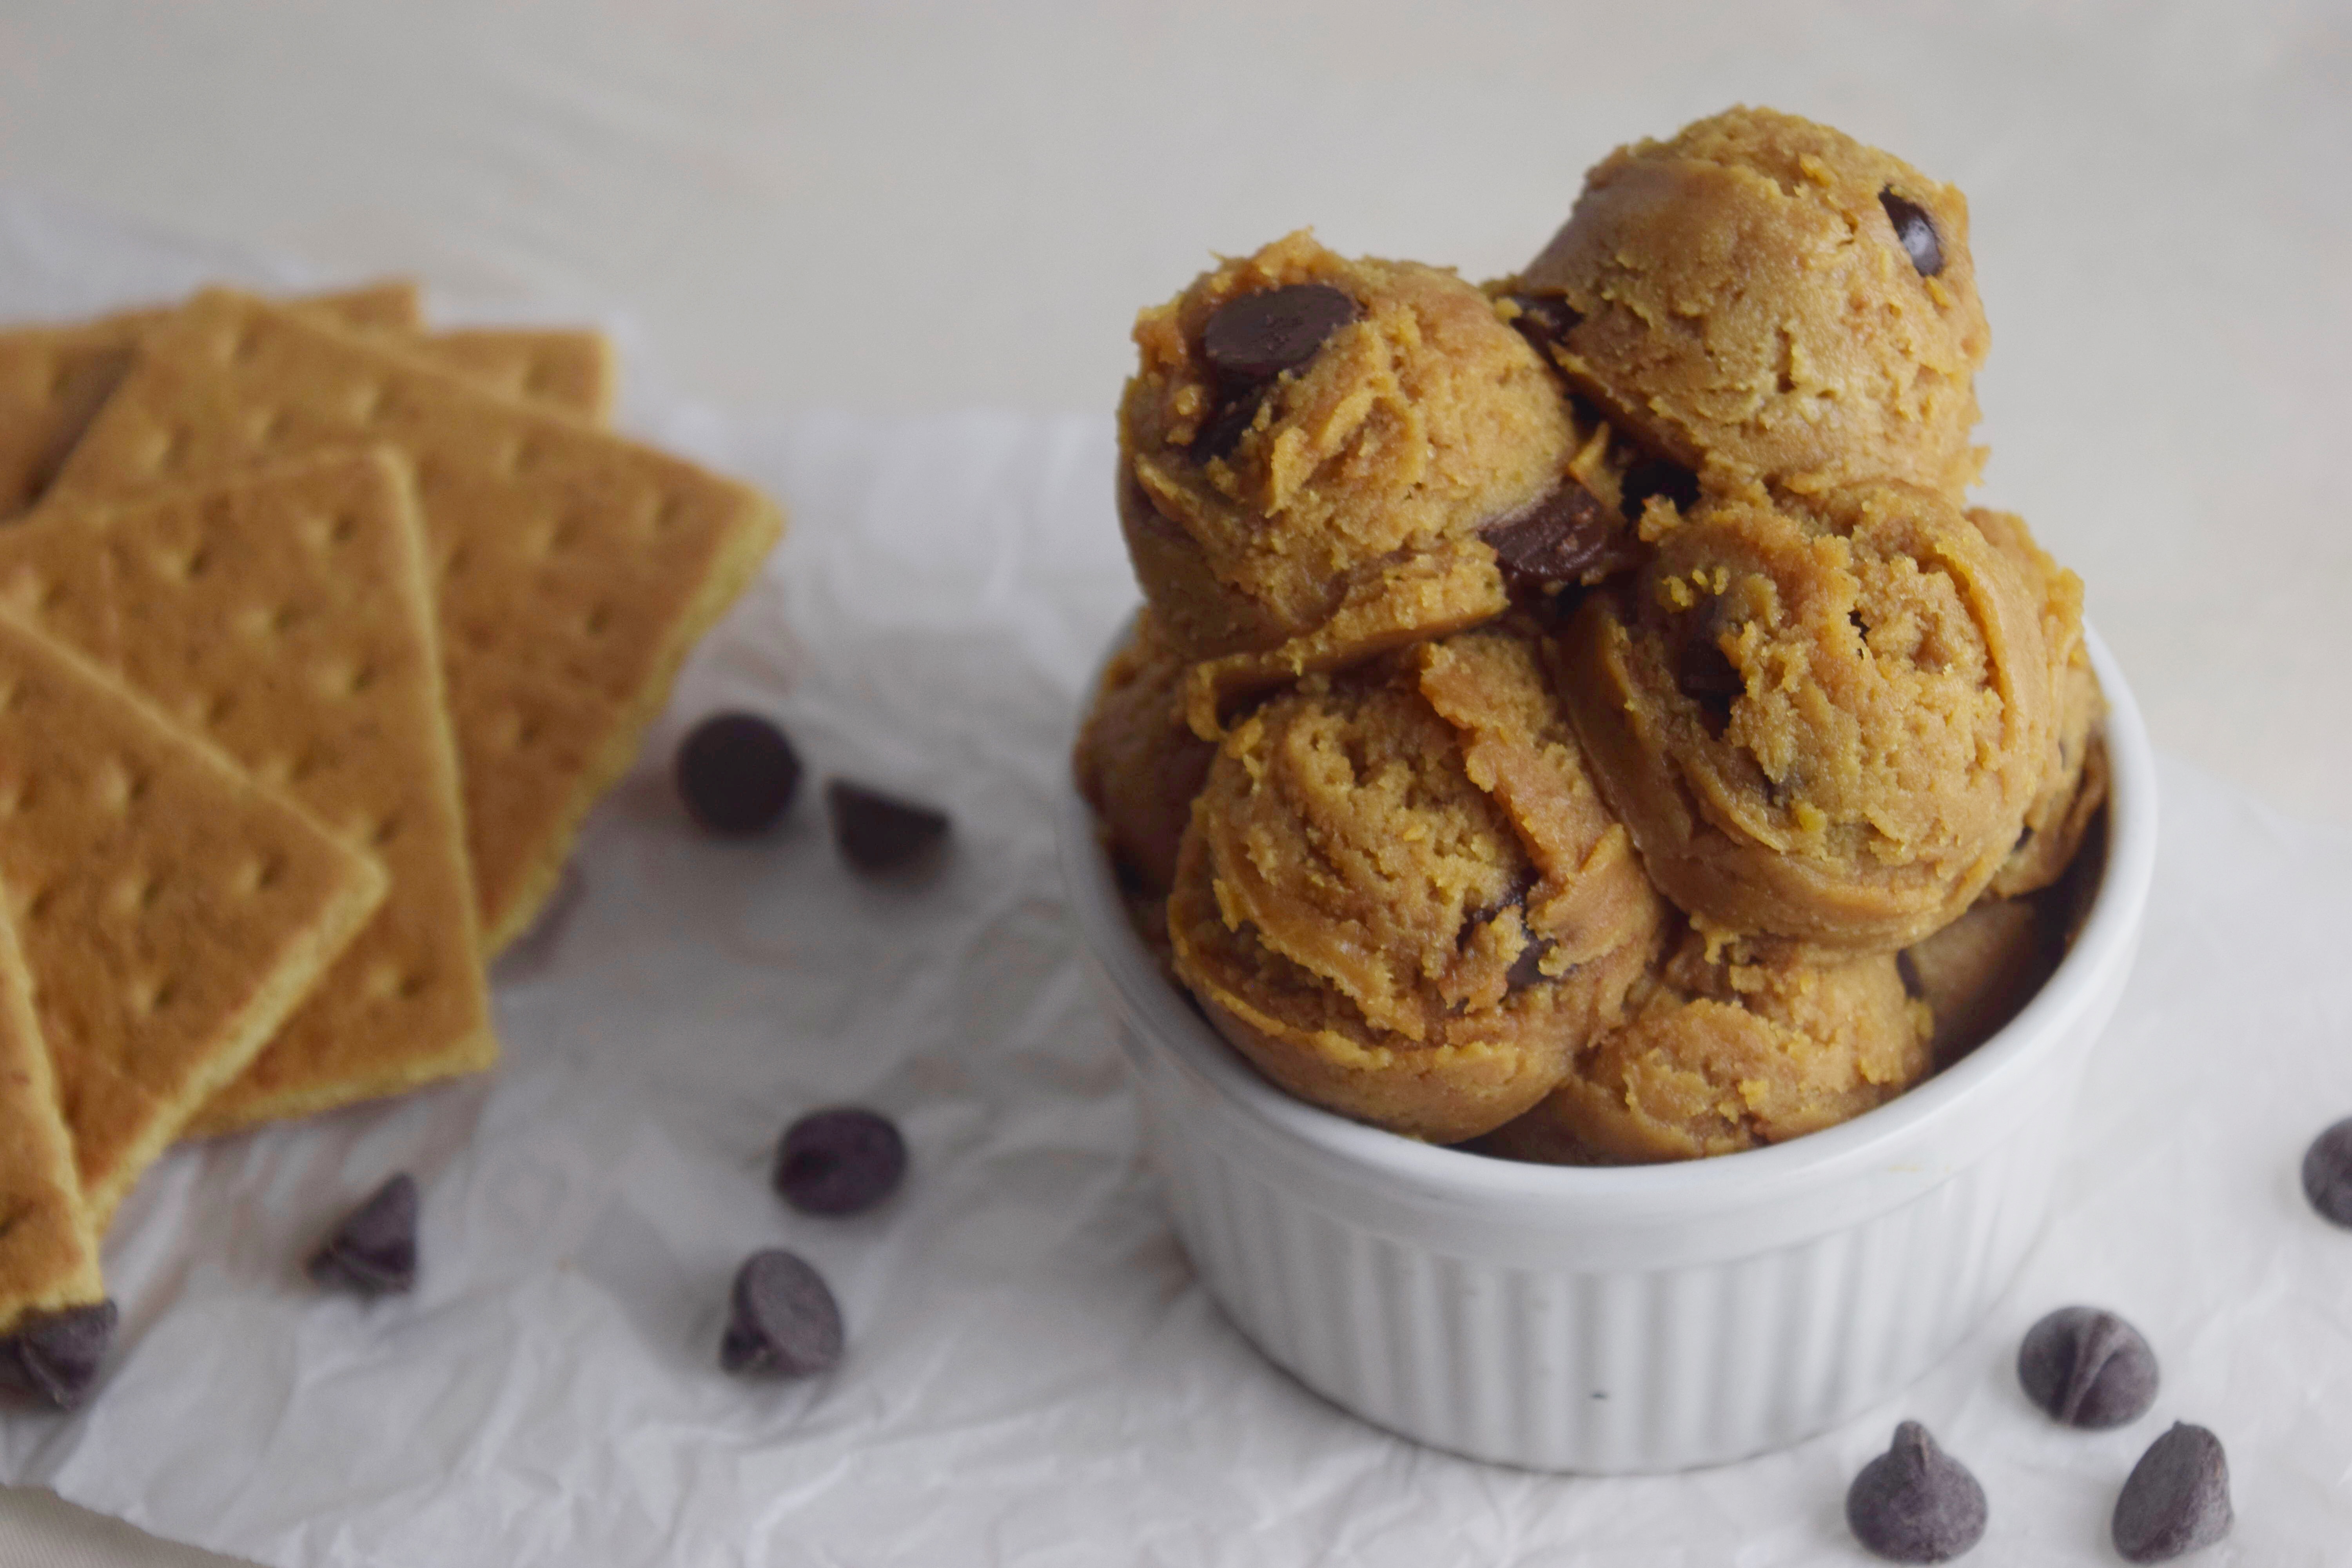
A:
{"points": [[53, 1356], [2088, 1368], [736, 774], [1543, 319], [1916, 230], [1915, 1503], [843, 1161], [1231, 421], [2177, 1498], [1566, 535], [879, 832], [373, 1252], [782, 1319], [1256, 336], [2327, 1174]]}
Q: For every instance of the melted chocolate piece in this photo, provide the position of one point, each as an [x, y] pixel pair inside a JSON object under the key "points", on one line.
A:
{"points": [[1658, 476], [373, 1252], [1568, 536], [1256, 336], [843, 1161], [2088, 1368], [55, 1356], [782, 1319], [1915, 1503], [737, 772], [879, 832], [2177, 1498], [1916, 231], [2327, 1174]]}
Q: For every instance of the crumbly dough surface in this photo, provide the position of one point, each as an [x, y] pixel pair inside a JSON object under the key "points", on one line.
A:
{"points": [[1136, 761], [1345, 519], [1747, 306], [1821, 722], [1401, 895], [1728, 1051]]}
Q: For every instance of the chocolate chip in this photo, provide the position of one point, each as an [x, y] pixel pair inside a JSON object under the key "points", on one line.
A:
{"points": [[839, 1162], [2087, 1368], [781, 1320], [879, 832], [373, 1252], [1544, 319], [1256, 336], [1566, 535], [2327, 1174], [1528, 968], [1915, 1503], [55, 1356], [1657, 476], [1916, 230], [2176, 1498], [1705, 674], [1226, 427], [737, 772]]}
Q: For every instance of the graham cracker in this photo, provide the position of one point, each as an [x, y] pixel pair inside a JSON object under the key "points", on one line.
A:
{"points": [[285, 617], [48, 1249], [54, 379], [560, 367], [173, 911], [572, 569]]}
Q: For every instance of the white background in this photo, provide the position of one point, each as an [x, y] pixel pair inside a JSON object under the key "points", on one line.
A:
{"points": [[888, 210]]}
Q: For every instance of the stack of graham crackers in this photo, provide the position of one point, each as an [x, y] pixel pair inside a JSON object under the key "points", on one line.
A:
{"points": [[319, 636]]}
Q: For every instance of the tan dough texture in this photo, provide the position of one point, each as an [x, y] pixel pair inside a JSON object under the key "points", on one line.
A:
{"points": [[1138, 763], [572, 569], [54, 379], [1978, 971], [1748, 310], [1352, 507], [286, 617], [1732, 1052], [48, 1249], [173, 911], [1402, 896], [1823, 724]]}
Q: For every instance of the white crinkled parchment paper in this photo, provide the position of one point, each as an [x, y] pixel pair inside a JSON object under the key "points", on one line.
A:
{"points": [[1034, 1375]]}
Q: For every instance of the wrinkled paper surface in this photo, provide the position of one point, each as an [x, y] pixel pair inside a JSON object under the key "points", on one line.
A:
{"points": [[1033, 1375]]}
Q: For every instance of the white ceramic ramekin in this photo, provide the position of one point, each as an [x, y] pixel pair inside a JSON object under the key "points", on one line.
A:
{"points": [[1636, 1319]]}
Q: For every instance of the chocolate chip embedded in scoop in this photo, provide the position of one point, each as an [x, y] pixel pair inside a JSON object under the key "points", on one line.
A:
{"points": [[2088, 1368], [879, 832], [55, 1356], [373, 1252], [1916, 231], [1544, 319], [1915, 1503], [1256, 336], [843, 1161], [782, 1319], [1568, 534], [2327, 1174], [1225, 428], [737, 772], [2176, 1498]]}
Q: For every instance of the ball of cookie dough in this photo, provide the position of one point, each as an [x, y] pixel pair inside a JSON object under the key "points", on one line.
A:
{"points": [[1728, 1051], [1315, 449], [1980, 971], [1823, 723], [1137, 763], [1400, 896], [1766, 297], [2074, 779]]}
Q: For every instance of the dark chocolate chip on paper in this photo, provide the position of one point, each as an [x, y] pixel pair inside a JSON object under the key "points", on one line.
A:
{"points": [[737, 772], [373, 1252], [2177, 1498], [782, 1319], [1916, 231], [2327, 1174], [55, 1356], [1915, 1503], [1256, 336], [879, 832], [841, 1161], [2087, 1368]]}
